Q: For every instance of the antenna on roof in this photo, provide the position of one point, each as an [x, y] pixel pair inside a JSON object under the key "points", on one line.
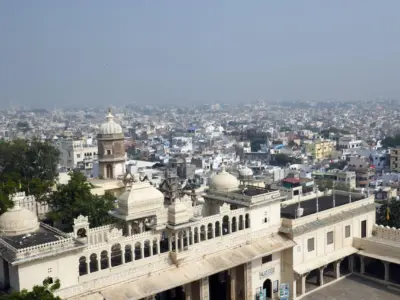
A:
{"points": [[333, 192], [317, 204]]}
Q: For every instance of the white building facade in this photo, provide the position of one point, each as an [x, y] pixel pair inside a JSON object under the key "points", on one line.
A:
{"points": [[239, 243]]}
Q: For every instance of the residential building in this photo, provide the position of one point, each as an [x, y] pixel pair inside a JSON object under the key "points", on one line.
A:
{"points": [[320, 149], [395, 160]]}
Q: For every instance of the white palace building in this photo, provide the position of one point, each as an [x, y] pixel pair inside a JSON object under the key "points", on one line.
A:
{"points": [[240, 242]]}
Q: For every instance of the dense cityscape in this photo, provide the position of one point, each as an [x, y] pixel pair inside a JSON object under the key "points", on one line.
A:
{"points": [[98, 178], [199, 150]]}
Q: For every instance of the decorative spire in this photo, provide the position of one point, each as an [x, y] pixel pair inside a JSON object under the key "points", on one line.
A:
{"points": [[109, 116]]}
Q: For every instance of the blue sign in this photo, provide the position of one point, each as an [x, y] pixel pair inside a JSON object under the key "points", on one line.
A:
{"points": [[284, 291]]}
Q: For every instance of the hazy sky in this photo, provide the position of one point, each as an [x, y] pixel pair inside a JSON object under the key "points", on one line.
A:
{"points": [[57, 53]]}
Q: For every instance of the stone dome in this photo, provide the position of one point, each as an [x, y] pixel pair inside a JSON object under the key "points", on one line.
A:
{"points": [[224, 182], [246, 172], [110, 127], [18, 220], [140, 199]]}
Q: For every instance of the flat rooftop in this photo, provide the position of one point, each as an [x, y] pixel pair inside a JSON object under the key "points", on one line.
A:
{"points": [[310, 206], [252, 191], [39, 237]]}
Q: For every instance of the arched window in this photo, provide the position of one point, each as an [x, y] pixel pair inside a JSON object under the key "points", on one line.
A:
{"points": [[138, 251], [225, 225], [217, 229], [109, 171], [155, 243], [247, 221], [234, 224], [104, 260], [202, 233], [128, 253], [93, 264], [116, 255], [209, 231], [241, 227], [83, 269], [164, 242], [81, 233], [147, 248]]}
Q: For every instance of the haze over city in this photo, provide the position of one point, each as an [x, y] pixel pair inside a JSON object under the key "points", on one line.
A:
{"points": [[67, 53]]}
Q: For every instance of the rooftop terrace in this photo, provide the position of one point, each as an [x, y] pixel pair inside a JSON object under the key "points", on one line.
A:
{"points": [[310, 206]]}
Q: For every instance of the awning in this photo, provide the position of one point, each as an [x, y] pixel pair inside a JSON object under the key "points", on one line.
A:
{"points": [[317, 262], [195, 270]]}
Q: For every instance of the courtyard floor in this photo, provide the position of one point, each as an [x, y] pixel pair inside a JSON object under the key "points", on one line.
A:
{"points": [[355, 288]]}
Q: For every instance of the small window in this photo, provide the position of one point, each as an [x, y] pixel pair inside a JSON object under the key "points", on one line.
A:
{"points": [[347, 231], [329, 238], [108, 152], [266, 259], [265, 220], [78, 156], [310, 244]]}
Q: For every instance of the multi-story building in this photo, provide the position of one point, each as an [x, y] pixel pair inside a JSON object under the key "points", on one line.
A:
{"points": [[320, 149], [345, 177], [239, 243], [348, 142], [395, 160], [77, 153]]}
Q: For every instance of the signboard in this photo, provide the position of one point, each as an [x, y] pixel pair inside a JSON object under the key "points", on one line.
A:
{"points": [[284, 291], [267, 273]]}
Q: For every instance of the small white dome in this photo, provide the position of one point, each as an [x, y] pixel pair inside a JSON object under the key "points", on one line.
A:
{"points": [[140, 199], [18, 220], [110, 127], [224, 182], [246, 171]]}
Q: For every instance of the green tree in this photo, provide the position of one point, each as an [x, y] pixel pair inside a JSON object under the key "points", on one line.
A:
{"points": [[388, 214], [38, 292], [29, 165], [391, 141], [75, 198]]}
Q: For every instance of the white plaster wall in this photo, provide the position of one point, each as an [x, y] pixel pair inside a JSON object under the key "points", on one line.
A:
{"points": [[258, 267], [63, 267], [270, 211], [321, 249]]}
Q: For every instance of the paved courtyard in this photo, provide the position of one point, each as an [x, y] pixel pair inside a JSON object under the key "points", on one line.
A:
{"points": [[354, 287]]}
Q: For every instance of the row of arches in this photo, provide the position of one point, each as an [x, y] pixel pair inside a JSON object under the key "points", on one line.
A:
{"points": [[119, 255]]}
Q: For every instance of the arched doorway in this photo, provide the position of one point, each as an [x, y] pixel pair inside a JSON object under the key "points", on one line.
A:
{"points": [[109, 171], [267, 288]]}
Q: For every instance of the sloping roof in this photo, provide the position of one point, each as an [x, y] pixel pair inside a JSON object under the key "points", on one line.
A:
{"points": [[194, 270]]}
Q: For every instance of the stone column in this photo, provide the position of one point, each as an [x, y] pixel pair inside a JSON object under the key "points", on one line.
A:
{"points": [[362, 265], [247, 282], [232, 275], [220, 229], [321, 276], [151, 248], [169, 242], [387, 270], [229, 227], [122, 257], [336, 269], [303, 283], [142, 250], [188, 291], [176, 242], [181, 242], [158, 247], [188, 237], [129, 229], [204, 289]]}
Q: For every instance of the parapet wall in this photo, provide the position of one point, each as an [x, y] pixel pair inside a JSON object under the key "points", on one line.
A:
{"points": [[386, 232]]}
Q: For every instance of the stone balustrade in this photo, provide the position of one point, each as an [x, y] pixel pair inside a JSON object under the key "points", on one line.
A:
{"points": [[386, 232]]}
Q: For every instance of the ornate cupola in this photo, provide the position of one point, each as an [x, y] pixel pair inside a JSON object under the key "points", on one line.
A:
{"points": [[111, 150]]}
